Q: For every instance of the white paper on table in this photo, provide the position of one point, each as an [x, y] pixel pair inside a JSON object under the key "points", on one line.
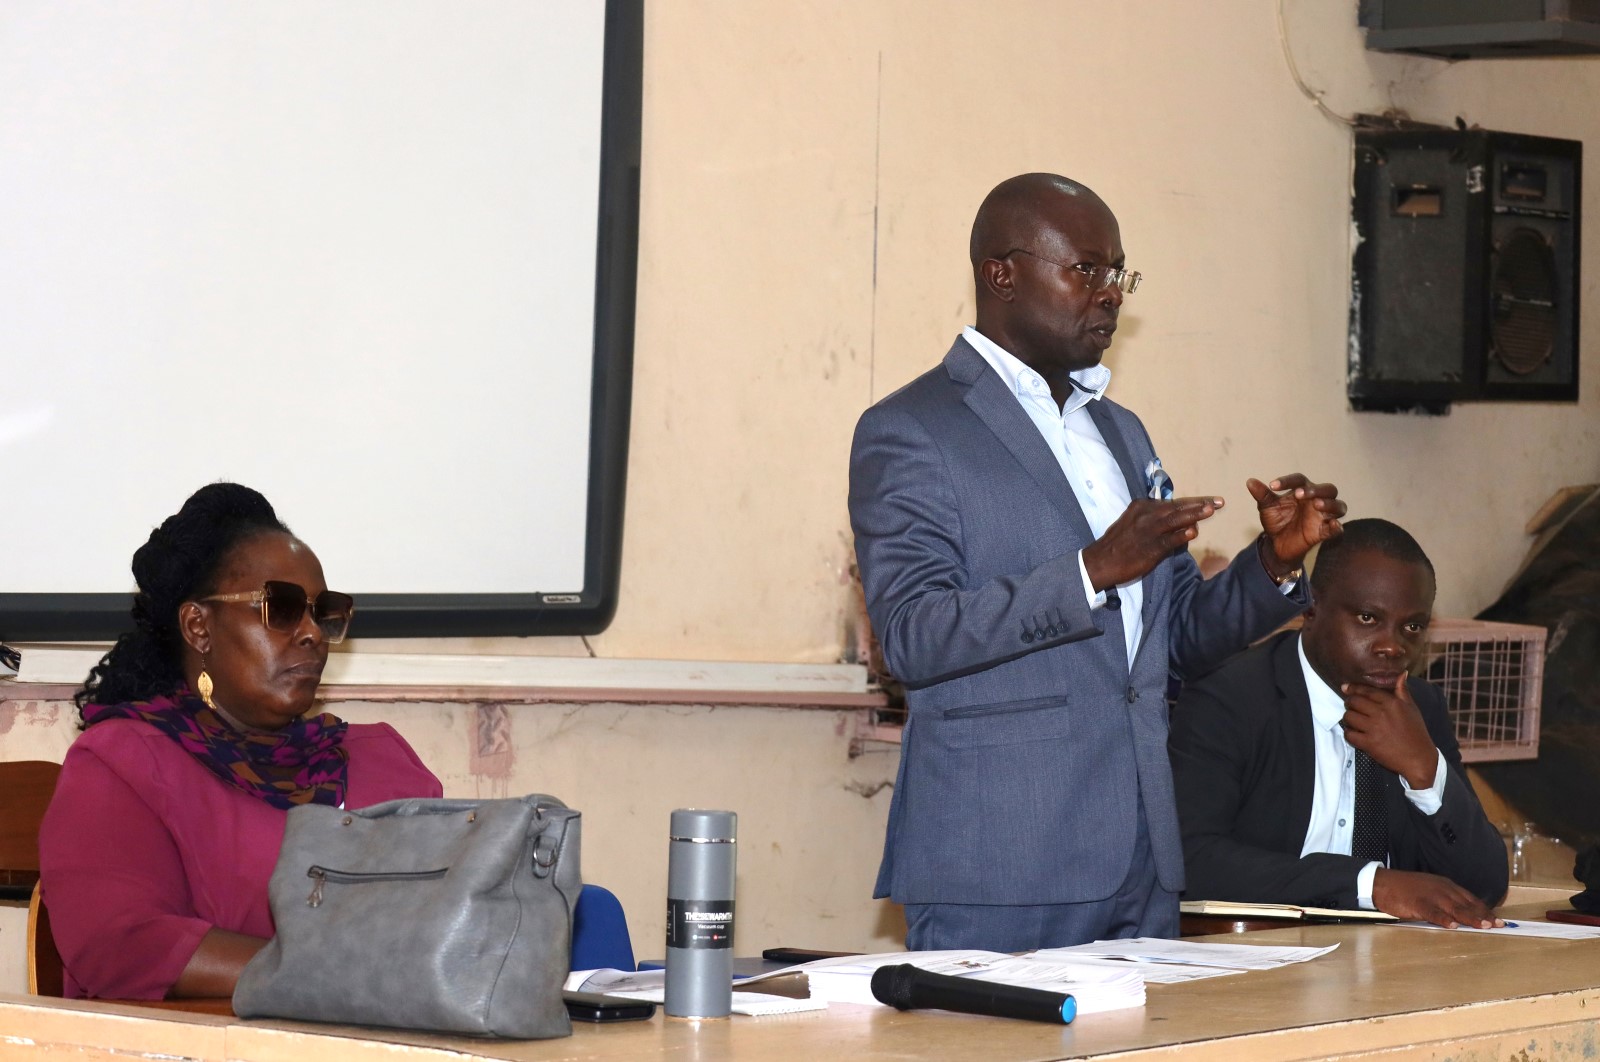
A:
{"points": [[1154, 973], [651, 985], [609, 982], [1520, 928], [758, 1004], [614, 982], [1154, 950]]}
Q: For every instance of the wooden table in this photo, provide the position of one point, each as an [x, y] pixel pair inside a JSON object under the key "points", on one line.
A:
{"points": [[1405, 995]]}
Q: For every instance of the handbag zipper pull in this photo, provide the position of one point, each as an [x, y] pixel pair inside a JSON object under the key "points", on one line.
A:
{"points": [[317, 875]]}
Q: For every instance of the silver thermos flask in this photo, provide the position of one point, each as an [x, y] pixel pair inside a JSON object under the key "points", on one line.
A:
{"points": [[700, 872]]}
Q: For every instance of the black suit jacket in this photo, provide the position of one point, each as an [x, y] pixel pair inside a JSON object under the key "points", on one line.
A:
{"points": [[1242, 762]]}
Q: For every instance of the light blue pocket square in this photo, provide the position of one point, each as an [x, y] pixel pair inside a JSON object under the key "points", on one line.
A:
{"points": [[1157, 480]]}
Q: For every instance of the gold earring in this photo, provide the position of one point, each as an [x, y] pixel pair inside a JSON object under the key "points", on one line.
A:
{"points": [[205, 686]]}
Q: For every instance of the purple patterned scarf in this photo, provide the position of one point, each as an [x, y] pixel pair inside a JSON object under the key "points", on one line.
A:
{"points": [[304, 763]]}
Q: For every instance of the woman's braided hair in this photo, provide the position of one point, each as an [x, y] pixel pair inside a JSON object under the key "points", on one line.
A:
{"points": [[178, 563]]}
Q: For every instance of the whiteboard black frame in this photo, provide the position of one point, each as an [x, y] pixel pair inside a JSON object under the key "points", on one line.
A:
{"points": [[74, 617]]}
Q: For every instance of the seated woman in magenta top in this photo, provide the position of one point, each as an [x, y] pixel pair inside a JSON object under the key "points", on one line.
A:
{"points": [[166, 823]]}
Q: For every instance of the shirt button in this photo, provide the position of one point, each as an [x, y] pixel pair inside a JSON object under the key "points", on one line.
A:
{"points": [[1089, 483], [1341, 822]]}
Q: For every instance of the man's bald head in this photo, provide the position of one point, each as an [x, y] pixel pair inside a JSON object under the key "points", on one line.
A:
{"points": [[1015, 212], [1041, 247]]}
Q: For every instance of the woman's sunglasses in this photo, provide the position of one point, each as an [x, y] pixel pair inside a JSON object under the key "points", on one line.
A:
{"points": [[283, 605]]}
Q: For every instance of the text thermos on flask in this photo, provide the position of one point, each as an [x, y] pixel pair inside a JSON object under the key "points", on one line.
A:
{"points": [[700, 871]]}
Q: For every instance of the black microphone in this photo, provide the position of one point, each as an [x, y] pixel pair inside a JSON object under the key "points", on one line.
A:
{"points": [[905, 987]]}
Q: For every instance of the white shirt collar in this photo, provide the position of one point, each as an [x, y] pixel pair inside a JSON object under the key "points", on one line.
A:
{"points": [[1327, 704], [1023, 381]]}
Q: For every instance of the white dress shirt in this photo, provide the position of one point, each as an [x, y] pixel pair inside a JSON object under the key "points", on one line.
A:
{"points": [[1083, 455], [1333, 798]]}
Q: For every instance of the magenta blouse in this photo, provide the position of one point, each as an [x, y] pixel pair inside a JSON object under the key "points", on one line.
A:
{"points": [[143, 850]]}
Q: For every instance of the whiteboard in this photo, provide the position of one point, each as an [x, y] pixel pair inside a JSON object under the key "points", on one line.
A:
{"points": [[350, 254]]}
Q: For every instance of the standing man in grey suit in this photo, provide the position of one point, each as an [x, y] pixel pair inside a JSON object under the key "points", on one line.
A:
{"points": [[1027, 572]]}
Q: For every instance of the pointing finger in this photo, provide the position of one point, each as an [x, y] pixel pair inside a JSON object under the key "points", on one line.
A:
{"points": [[1188, 510]]}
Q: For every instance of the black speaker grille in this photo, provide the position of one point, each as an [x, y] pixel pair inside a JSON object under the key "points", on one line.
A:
{"points": [[1522, 331]]}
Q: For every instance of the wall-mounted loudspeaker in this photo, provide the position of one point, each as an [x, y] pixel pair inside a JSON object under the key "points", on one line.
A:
{"points": [[1465, 271]]}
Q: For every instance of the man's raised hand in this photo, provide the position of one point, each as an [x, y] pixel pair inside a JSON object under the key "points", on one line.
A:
{"points": [[1296, 514]]}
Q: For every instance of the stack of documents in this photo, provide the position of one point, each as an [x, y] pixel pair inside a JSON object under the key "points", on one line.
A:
{"points": [[1105, 975], [651, 985], [1095, 987]]}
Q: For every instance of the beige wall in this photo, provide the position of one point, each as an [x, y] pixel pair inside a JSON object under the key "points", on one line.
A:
{"points": [[810, 173]]}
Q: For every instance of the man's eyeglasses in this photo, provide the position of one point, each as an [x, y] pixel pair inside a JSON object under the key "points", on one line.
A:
{"points": [[1097, 277], [283, 605]]}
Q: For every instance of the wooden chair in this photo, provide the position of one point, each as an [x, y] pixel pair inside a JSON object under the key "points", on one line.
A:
{"points": [[45, 976], [25, 790]]}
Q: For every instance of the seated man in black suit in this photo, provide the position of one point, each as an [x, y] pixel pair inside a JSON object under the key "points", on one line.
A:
{"points": [[1310, 770]]}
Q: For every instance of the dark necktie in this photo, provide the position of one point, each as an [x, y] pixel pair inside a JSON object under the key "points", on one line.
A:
{"points": [[1369, 840]]}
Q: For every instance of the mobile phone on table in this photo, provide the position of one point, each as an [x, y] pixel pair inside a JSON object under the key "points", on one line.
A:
{"points": [[592, 1006], [800, 955]]}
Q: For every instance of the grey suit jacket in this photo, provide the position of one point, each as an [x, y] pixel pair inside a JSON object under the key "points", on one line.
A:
{"points": [[1244, 756], [1030, 738]]}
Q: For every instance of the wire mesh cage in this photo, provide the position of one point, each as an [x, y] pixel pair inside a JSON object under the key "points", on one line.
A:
{"points": [[1491, 675]]}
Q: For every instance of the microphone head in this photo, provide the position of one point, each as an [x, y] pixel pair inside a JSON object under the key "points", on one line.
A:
{"points": [[892, 985]]}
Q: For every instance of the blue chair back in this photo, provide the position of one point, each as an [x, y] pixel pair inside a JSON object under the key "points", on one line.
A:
{"points": [[600, 932]]}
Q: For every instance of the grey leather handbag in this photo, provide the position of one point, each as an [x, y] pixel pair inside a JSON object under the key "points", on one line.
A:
{"points": [[446, 915]]}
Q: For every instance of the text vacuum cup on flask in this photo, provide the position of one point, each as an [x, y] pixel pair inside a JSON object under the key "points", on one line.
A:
{"points": [[700, 873]]}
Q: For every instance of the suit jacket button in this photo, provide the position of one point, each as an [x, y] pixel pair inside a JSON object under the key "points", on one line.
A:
{"points": [[1027, 637], [1133, 694]]}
